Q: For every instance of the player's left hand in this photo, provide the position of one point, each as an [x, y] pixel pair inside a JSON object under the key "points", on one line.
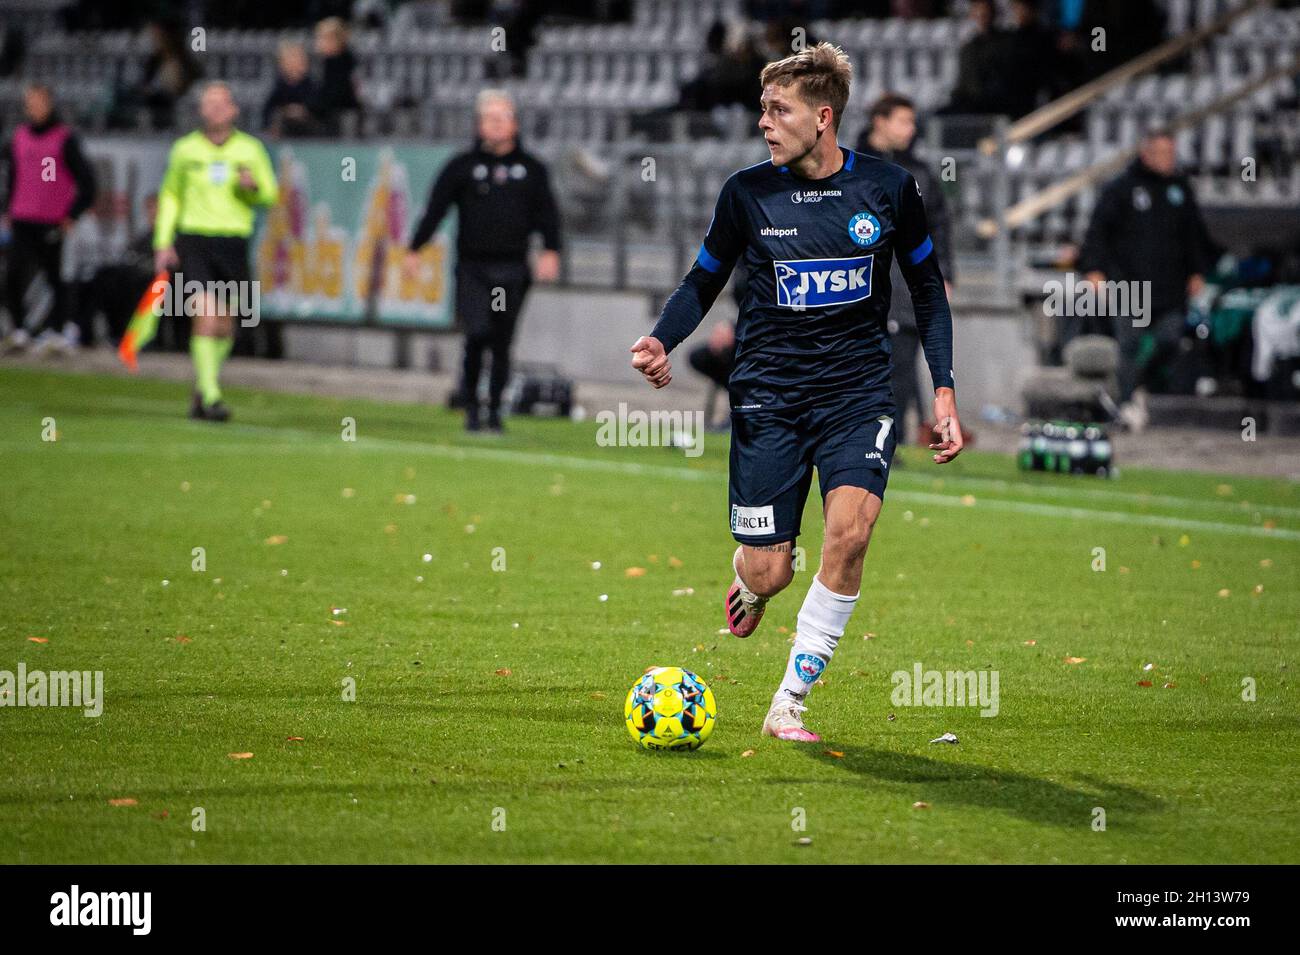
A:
{"points": [[547, 266], [947, 427], [246, 180]]}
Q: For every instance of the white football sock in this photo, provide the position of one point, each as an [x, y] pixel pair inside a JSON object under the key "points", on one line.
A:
{"points": [[822, 620]]}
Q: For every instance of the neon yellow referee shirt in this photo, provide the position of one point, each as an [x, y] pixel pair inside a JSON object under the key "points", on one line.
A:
{"points": [[200, 192]]}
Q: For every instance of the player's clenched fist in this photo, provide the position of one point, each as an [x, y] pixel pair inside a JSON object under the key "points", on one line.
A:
{"points": [[649, 358]]}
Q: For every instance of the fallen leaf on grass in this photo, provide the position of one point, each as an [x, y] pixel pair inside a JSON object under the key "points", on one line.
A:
{"points": [[123, 802], [1170, 686], [836, 754], [920, 805], [338, 623], [746, 754], [597, 696], [504, 671], [1031, 643], [674, 562], [240, 755], [634, 572], [1144, 682], [181, 638], [293, 739], [1075, 659], [1225, 592], [276, 539], [38, 639]]}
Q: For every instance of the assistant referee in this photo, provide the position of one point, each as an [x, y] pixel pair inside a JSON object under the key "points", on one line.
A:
{"points": [[502, 196], [215, 178]]}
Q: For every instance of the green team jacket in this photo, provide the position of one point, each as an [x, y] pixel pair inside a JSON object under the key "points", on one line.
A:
{"points": [[200, 192]]}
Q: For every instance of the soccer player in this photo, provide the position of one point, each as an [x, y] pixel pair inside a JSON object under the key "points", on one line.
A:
{"points": [[815, 230], [216, 177]]}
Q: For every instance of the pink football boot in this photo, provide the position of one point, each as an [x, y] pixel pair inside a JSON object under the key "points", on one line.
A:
{"points": [[744, 609]]}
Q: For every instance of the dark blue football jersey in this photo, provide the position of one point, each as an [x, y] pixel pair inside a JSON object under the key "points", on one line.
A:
{"points": [[817, 257]]}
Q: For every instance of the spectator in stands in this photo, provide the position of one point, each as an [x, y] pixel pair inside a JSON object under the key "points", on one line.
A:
{"points": [[49, 185], [337, 91], [502, 196], [1147, 228], [1031, 55], [169, 73], [890, 133], [288, 108], [982, 67]]}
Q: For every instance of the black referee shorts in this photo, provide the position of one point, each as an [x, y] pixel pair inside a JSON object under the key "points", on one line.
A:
{"points": [[213, 258]]}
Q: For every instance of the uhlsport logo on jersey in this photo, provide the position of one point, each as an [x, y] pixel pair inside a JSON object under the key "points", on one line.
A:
{"points": [[810, 283], [864, 229], [752, 521]]}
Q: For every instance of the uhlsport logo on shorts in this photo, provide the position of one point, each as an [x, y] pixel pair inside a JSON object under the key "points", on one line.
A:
{"points": [[752, 521], [810, 283]]}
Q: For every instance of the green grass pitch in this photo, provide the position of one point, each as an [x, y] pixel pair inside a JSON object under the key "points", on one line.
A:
{"points": [[487, 721]]}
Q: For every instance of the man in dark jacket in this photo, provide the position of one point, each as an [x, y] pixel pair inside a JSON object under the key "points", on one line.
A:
{"points": [[49, 185], [889, 135], [1147, 228], [502, 196]]}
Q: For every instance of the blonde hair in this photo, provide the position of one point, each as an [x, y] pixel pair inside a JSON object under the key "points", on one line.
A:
{"points": [[823, 74]]}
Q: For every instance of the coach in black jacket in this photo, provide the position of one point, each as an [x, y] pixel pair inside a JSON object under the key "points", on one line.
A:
{"points": [[502, 196], [1147, 227], [889, 136]]}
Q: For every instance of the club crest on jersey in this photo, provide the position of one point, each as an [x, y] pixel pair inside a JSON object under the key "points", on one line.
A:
{"points": [[813, 283], [809, 667], [864, 229]]}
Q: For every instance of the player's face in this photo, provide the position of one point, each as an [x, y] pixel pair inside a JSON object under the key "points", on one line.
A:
{"points": [[217, 108], [789, 124], [1159, 155], [897, 129]]}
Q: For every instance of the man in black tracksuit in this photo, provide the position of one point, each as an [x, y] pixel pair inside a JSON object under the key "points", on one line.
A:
{"points": [[502, 196], [889, 134], [1147, 227]]}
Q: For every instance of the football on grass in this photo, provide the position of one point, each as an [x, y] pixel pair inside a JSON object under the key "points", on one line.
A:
{"points": [[670, 708]]}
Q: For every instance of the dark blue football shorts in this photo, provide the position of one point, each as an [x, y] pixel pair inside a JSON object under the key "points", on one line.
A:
{"points": [[849, 441]]}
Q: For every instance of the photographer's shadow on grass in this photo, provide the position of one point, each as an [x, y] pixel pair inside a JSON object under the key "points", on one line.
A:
{"points": [[1032, 799]]}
